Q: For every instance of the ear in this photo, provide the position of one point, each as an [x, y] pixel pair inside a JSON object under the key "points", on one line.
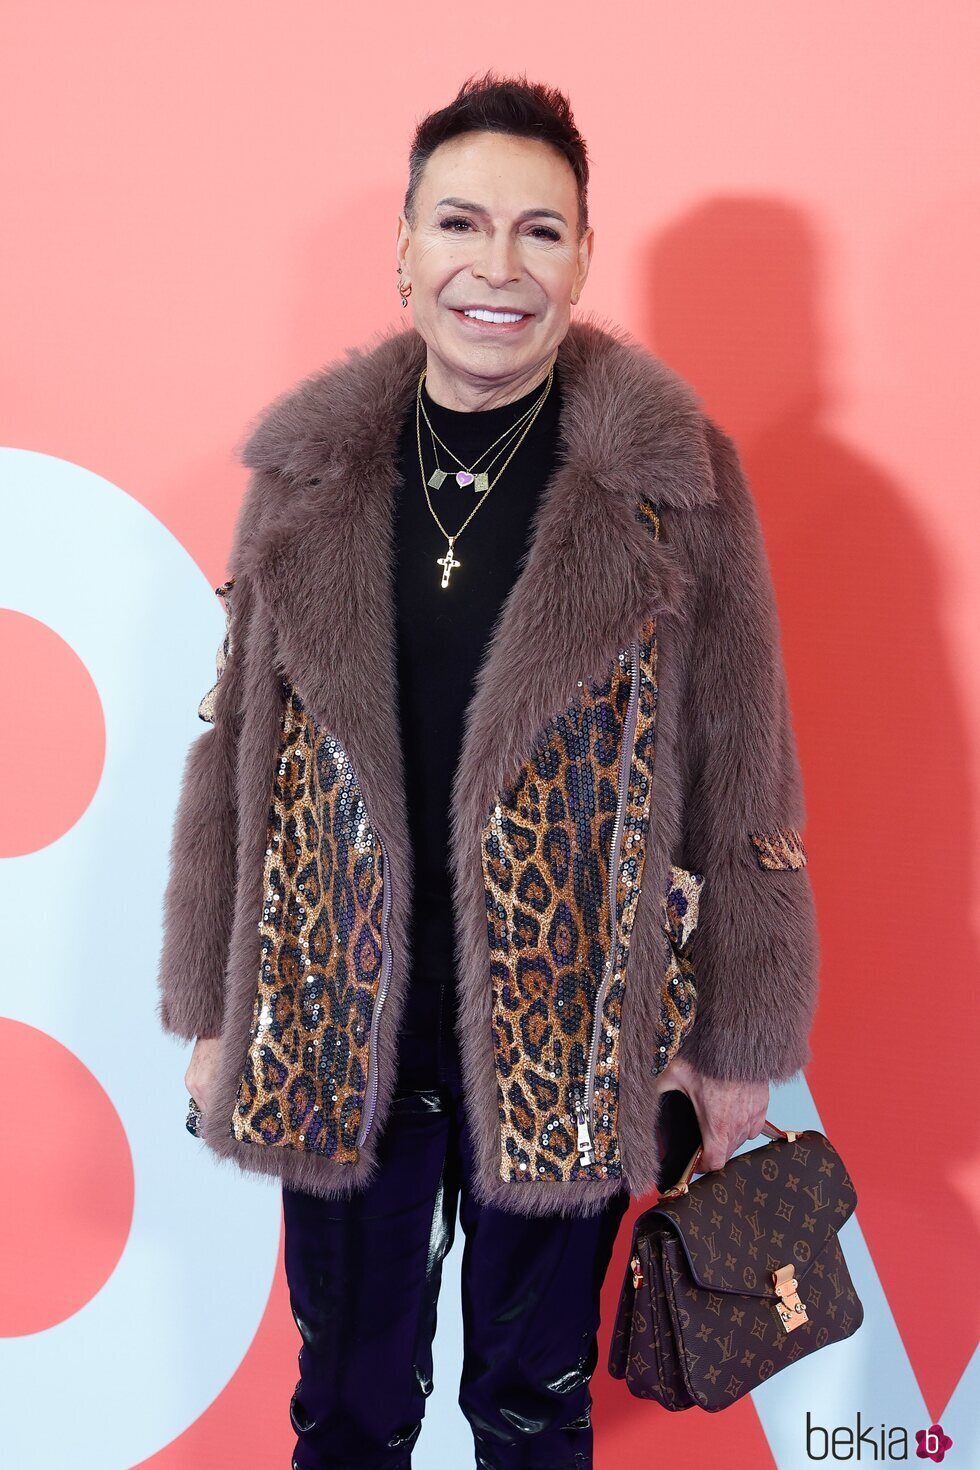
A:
{"points": [[585, 247], [403, 239]]}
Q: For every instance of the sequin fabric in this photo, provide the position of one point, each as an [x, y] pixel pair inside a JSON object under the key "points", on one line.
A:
{"points": [[306, 1072], [547, 845], [206, 707], [780, 849], [678, 991], [546, 849], [632, 858]]}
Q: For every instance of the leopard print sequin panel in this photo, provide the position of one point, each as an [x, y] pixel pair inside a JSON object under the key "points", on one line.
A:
{"points": [[780, 849], [546, 849], [632, 857], [324, 956], [205, 709], [678, 992]]}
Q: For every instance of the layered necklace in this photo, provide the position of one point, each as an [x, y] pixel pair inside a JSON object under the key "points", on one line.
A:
{"points": [[482, 479]]}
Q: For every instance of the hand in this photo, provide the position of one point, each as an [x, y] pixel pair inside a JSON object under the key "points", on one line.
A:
{"points": [[201, 1070], [728, 1112]]}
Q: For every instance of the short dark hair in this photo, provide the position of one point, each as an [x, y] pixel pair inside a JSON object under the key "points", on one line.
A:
{"points": [[495, 104]]}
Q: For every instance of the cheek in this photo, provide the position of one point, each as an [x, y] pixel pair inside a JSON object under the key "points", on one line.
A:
{"points": [[441, 281], [557, 280], [433, 266]]}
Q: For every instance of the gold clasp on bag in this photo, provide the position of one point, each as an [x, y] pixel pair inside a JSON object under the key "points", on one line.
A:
{"points": [[637, 1269], [789, 1309]]}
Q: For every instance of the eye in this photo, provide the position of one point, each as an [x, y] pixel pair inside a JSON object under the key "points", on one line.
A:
{"points": [[542, 232]]}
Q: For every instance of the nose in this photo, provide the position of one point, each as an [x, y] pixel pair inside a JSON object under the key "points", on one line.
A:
{"points": [[498, 262]]}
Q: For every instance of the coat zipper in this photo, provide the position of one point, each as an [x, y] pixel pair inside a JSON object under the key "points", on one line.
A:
{"points": [[372, 1088], [584, 1107]]}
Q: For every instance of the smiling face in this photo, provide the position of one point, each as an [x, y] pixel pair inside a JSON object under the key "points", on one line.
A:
{"points": [[496, 231]]}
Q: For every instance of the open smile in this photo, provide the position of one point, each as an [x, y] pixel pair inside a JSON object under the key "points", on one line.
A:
{"points": [[478, 319]]}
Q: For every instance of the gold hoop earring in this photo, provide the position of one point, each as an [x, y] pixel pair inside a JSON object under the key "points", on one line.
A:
{"points": [[405, 292]]}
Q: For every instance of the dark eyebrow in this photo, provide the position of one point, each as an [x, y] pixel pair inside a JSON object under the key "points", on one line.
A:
{"points": [[479, 209]]}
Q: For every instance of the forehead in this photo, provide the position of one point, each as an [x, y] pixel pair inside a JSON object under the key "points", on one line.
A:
{"points": [[495, 169]]}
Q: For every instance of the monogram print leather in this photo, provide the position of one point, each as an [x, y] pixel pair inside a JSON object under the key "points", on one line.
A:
{"points": [[780, 849], [306, 1072], [703, 1326]]}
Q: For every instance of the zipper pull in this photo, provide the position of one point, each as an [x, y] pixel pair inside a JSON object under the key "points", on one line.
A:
{"points": [[585, 1149]]}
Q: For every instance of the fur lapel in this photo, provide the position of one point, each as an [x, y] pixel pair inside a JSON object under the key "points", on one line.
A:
{"points": [[322, 558]]}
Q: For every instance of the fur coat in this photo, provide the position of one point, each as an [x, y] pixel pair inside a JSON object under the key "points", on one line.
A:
{"points": [[627, 862]]}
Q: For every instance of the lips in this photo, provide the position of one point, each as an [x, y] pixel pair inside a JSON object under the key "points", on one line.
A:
{"points": [[471, 306], [476, 322]]}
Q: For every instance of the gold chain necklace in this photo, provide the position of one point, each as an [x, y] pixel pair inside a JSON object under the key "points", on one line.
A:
{"points": [[467, 474], [449, 562]]}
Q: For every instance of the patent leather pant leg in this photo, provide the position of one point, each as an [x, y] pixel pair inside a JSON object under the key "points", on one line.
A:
{"points": [[364, 1277], [531, 1288]]}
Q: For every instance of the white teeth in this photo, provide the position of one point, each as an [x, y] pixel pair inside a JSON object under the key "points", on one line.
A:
{"points": [[494, 316]]}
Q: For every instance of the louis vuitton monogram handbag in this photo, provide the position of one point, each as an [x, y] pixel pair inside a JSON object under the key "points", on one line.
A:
{"points": [[737, 1275]]}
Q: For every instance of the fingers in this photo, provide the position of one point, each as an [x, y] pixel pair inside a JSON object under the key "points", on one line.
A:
{"points": [[719, 1144], [722, 1134], [729, 1112], [715, 1152]]}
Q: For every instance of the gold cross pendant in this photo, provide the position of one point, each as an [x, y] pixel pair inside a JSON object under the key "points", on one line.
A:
{"points": [[448, 562]]}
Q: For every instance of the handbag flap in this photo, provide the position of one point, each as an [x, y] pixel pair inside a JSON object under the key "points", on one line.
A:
{"points": [[772, 1206]]}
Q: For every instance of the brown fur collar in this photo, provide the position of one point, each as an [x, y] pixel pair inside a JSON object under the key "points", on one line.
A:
{"points": [[626, 413], [629, 425]]}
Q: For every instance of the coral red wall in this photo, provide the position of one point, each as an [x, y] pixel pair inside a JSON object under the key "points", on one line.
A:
{"points": [[200, 206]]}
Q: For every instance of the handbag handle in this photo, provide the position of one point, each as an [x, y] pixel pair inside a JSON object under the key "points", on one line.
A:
{"points": [[684, 1182]]}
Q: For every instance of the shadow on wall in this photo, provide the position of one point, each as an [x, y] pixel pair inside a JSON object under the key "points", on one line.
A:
{"points": [[730, 296]]}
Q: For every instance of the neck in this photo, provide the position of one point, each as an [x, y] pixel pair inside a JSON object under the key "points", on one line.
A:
{"points": [[467, 395]]}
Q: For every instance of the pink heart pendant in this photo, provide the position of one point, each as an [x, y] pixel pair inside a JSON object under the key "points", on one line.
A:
{"points": [[463, 477]]}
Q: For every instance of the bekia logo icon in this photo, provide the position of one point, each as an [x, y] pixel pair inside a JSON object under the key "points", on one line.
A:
{"points": [[932, 1443], [842, 1442]]}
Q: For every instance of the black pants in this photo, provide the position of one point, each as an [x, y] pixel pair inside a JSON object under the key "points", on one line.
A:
{"points": [[364, 1277]]}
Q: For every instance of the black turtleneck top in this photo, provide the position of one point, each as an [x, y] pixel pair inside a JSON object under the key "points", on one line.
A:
{"points": [[442, 633]]}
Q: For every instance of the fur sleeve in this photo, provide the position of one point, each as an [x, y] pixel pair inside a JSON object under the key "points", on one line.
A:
{"points": [[755, 951], [199, 901]]}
